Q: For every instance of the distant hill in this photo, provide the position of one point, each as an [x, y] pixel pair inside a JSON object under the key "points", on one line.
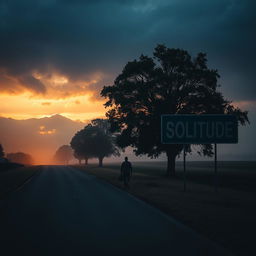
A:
{"points": [[38, 137]]}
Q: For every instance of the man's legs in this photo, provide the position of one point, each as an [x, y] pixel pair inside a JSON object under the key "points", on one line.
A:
{"points": [[126, 179]]}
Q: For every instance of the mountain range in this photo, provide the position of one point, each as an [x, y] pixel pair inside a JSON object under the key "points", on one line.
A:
{"points": [[39, 137]]}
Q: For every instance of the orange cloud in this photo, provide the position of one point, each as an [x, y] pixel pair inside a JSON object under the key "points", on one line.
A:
{"points": [[36, 95], [244, 104], [46, 103], [9, 84], [22, 106], [60, 86], [43, 131], [51, 84]]}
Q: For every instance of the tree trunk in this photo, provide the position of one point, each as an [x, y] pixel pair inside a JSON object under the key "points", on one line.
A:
{"points": [[100, 161], [171, 157], [79, 161], [86, 161]]}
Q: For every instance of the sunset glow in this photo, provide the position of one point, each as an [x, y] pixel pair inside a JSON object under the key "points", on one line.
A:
{"points": [[23, 106], [101, 100], [40, 94], [56, 57]]}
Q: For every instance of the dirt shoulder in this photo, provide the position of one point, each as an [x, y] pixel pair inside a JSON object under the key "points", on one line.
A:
{"points": [[226, 217], [11, 180]]}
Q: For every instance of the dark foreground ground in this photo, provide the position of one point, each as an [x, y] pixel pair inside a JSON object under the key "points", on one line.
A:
{"points": [[227, 217], [65, 211], [13, 179]]}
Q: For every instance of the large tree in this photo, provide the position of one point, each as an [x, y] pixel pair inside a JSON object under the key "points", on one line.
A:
{"points": [[94, 141], [172, 82], [64, 154]]}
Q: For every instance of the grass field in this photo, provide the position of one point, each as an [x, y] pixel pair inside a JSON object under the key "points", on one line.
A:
{"points": [[12, 179], [236, 175], [227, 217]]}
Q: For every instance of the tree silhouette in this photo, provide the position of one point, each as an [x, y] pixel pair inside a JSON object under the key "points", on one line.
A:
{"points": [[169, 83], [20, 158], [79, 157], [64, 154], [94, 141], [1, 151], [81, 144], [103, 124]]}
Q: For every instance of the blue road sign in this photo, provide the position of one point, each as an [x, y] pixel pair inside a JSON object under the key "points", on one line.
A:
{"points": [[199, 129]]}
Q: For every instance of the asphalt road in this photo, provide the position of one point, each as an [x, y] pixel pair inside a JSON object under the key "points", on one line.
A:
{"points": [[64, 211]]}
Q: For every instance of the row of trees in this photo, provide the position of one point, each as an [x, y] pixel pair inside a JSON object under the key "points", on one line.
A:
{"points": [[94, 141]]}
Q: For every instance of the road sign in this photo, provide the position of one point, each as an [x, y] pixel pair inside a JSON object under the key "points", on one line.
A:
{"points": [[199, 129]]}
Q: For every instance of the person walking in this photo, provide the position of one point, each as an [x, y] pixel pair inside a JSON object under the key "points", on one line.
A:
{"points": [[126, 172]]}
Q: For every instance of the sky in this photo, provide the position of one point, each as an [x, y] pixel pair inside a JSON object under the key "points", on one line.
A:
{"points": [[56, 55]]}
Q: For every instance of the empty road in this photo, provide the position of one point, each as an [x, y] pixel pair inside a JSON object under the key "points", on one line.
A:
{"points": [[64, 211]]}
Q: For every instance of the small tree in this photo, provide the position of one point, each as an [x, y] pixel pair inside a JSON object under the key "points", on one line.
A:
{"points": [[169, 83], [81, 145], [64, 154], [1, 151], [94, 141]]}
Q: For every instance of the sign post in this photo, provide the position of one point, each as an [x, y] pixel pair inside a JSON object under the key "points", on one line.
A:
{"points": [[199, 129], [184, 167], [215, 167]]}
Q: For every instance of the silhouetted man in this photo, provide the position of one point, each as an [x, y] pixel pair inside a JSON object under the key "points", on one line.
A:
{"points": [[126, 171]]}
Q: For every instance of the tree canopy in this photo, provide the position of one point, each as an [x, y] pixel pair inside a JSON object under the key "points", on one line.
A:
{"points": [[81, 144], [64, 154], [170, 82], [94, 141]]}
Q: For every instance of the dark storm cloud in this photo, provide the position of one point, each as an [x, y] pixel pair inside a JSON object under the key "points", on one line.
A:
{"points": [[77, 38], [33, 84]]}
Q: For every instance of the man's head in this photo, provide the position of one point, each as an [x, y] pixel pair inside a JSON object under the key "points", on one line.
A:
{"points": [[126, 159]]}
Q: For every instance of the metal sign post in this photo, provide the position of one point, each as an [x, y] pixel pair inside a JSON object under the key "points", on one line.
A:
{"points": [[215, 167], [184, 167]]}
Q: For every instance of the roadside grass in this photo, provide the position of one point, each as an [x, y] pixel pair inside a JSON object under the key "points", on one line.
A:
{"points": [[238, 175], [10, 180], [226, 216]]}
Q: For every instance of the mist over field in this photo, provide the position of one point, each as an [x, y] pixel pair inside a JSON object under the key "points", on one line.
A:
{"points": [[41, 137], [38, 137]]}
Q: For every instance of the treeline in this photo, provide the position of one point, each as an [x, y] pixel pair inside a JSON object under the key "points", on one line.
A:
{"points": [[14, 160]]}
